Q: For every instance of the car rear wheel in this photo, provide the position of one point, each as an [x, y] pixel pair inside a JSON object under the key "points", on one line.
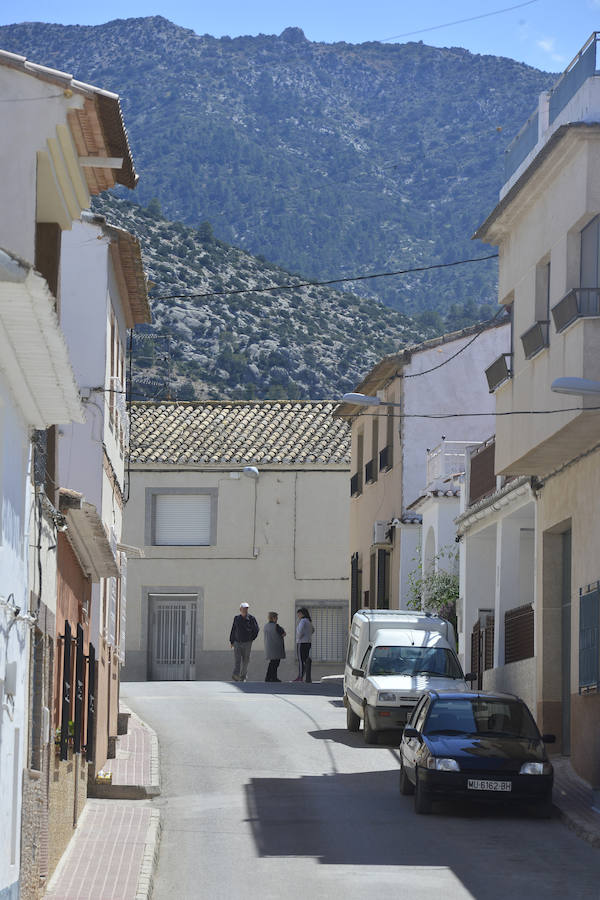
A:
{"points": [[352, 720], [370, 733], [422, 798], [406, 786]]}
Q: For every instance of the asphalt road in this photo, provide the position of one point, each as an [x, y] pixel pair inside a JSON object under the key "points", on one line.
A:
{"points": [[266, 795]]}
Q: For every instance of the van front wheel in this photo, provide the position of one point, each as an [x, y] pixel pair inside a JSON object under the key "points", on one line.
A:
{"points": [[352, 720]]}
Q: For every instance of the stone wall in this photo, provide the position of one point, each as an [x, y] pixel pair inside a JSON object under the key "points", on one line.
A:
{"points": [[67, 797]]}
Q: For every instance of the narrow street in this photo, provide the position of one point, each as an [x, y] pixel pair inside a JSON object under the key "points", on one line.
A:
{"points": [[265, 795]]}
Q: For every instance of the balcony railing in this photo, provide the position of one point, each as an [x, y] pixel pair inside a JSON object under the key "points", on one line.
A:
{"points": [[577, 72], [448, 458], [385, 459], [498, 372], [521, 146], [482, 476], [578, 303], [535, 338]]}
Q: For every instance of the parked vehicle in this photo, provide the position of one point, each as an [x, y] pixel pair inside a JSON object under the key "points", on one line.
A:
{"points": [[479, 745], [393, 656]]}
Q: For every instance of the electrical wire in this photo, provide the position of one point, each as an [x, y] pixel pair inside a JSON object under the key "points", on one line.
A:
{"points": [[467, 415], [496, 12], [483, 328], [301, 284]]}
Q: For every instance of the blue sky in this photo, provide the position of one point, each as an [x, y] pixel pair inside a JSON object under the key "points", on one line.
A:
{"points": [[543, 33]]}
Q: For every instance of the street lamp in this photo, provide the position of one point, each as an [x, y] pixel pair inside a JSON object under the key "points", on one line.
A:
{"points": [[581, 387], [367, 400]]}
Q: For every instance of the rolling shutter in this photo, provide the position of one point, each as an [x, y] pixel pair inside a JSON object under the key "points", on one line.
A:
{"points": [[182, 520]]}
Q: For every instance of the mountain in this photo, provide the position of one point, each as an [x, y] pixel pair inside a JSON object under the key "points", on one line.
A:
{"points": [[301, 343], [329, 159]]}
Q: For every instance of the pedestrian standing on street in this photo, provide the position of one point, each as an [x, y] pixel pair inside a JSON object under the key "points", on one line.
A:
{"points": [[304, 632], [274, 646], [243, 631]]}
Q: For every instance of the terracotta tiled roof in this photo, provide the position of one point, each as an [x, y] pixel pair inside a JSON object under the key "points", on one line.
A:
{"points": [[238, 433]]}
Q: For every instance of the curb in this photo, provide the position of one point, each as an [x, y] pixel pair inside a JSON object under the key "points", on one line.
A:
{"points": [[579, 826], [145, 882]]}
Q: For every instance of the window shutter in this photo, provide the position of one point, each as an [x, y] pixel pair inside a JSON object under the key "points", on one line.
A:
{"points": [[182, 520], [354, 591], [589, 622]]}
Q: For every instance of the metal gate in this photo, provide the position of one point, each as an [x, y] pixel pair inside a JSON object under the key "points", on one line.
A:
{"points": [[173, 619]]}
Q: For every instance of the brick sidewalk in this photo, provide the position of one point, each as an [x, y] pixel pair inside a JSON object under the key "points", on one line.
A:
{"points": [[114, 848], [110, 856], [135, 768]]}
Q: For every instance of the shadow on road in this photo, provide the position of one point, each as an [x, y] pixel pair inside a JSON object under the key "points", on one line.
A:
{"points": [[353, 739], [317, 688], [327, 817]]}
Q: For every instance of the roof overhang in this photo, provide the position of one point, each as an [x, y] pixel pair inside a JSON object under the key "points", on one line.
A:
{"points": [[89, 150], [542, 168], [33, 352], [87, 537]]}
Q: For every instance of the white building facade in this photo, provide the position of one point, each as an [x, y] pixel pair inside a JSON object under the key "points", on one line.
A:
{"points": [[231, 502]]}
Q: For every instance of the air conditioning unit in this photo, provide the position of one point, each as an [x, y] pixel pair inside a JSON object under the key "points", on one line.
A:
{"points": [[381, 532]]}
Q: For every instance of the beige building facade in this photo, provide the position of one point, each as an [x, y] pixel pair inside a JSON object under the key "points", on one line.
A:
{"points": [[426, 393], [547, 227], [233, 502]]}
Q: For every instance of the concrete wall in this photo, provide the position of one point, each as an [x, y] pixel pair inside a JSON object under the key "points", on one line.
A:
{"points": [[516, 678], [295, 520], [14, 635]]}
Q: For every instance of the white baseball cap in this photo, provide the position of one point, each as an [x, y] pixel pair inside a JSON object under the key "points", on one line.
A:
{"points": [[244, 606]]}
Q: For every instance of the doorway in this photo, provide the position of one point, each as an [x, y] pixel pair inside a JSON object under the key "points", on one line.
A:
{"points": [[173, 626]]}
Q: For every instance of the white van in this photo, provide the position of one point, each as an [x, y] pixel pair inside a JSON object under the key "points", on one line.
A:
{"points": [[393, 656]]}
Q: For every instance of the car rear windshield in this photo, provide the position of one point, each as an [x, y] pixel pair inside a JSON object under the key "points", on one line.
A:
{"points": [[415, 661], [480, 716]]}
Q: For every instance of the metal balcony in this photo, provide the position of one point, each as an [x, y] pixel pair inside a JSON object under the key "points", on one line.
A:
{"points": [[498, 372], [535, 338], [578, 303]]}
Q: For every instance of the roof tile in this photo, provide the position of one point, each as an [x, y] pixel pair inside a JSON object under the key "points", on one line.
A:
{"points": [[238, 433]]}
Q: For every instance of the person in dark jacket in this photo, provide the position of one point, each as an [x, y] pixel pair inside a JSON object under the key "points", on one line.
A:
{"points": [[304, 632], [274, 646], [243, 631]]}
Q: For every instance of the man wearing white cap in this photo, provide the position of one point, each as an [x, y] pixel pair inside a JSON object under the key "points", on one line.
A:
{"points": [[243, 631]]}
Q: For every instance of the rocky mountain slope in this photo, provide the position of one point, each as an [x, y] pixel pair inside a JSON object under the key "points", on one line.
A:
{"points": [[298, 344], [328, 159]]}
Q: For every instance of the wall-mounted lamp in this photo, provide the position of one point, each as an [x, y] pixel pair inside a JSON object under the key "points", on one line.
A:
{"points": [[251, 472]]}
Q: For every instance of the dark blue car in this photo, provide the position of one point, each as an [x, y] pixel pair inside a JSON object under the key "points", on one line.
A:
{"points": [[478, 745]]}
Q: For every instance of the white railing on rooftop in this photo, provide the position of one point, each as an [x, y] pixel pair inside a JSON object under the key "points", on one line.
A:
{"points": [[446, 460]]}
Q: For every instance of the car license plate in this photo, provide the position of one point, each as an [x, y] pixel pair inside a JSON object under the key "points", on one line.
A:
{"points": [[478, 784]]}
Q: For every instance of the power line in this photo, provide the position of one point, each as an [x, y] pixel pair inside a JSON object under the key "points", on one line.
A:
{"points": [[484, 326], [458, 21], [467, 415], [301, 284]]}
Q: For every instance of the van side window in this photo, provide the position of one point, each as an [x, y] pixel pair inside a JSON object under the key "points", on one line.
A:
{"points": [[365, 659], [352, 651]]}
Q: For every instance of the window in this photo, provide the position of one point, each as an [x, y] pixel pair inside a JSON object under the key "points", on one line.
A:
{"points": [[374, 447], [590, 253], [383, 579], [331, 631], [180, 517]]}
